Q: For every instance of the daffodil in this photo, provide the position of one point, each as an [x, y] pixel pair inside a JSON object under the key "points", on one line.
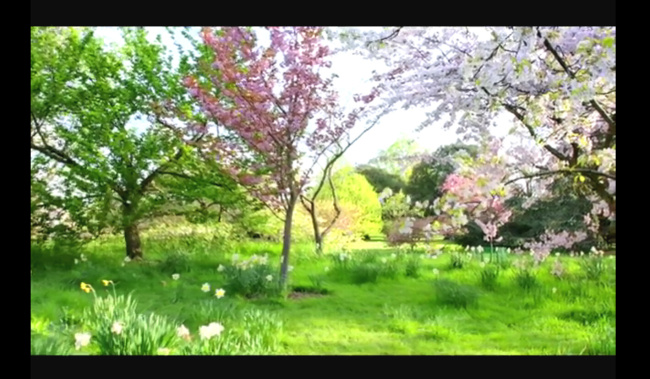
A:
{"points": [[269, 277], [221, 268], [554, 290], [290, 268], [107, 282], [183, 332], [86, 287], [76, 261], [127, 259], [117, 328], [175, 276], [83, 258], [219, 293], [81, 340], [211, 330], [436, 271], [205, 287]]}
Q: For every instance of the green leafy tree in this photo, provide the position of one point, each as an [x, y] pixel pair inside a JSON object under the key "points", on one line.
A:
{"points": [[425, 183], [381, 179], [85, 101]]}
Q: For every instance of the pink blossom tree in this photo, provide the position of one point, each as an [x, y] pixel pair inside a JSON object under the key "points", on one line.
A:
{"points": [[279, 113]]}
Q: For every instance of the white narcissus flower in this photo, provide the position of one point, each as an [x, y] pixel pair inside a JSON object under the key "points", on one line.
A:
{"points": [[76, 261], [127, 259], [83, 258], [175, 276], [81, 340], [554, 290], [557, 254], [269, 278], [384, 260], [290, 268], [219, 293], [205, 287], [182, 332], [116, 328], [436, 271], [211, 330], [221, 268]]}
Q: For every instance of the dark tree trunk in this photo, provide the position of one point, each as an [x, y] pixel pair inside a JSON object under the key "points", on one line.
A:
{"points": [[131, 231], [132, 239], [286, 244]]}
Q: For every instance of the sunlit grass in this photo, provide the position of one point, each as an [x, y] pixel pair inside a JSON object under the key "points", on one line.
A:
{"points": [[394, 315]]}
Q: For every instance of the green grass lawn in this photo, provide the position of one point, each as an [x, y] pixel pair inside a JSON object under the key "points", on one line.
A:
{"points": [[368, 309]]}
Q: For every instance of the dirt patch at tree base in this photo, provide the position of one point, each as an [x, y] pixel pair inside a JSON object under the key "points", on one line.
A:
{"points": [[307, 292]]}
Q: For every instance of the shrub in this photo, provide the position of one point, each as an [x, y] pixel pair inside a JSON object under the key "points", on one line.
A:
{"points": [[251, 278], [455, 294]]}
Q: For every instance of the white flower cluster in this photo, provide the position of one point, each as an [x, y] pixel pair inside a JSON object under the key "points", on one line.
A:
{"points": [[252, 261]]}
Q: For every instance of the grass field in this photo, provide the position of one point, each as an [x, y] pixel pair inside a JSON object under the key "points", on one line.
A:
{"points": [[378, 301]]}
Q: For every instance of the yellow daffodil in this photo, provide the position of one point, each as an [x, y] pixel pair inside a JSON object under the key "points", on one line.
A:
{"points": [[107, 282], [219, 293], [205, 287]]}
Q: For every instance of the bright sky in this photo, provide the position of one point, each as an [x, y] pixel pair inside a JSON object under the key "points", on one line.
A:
{"points": [[354, 73]]}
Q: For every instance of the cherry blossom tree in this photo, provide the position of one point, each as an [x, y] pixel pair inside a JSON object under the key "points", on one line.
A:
{"points": [[279, 113], [557, 84]]}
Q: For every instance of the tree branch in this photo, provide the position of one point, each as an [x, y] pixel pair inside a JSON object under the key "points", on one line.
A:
{"points": [[565, 171]]}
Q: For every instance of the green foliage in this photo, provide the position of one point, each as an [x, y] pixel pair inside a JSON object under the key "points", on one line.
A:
{"points": [[361, 273], [489, 277], [176, 262], [361, 210], [49, 345], [246, 332], [455, 294], [250, 278], [593, 266], [85, 98], [399, 158], [413, 266], [139, 334], [380, 179], [458, 260], [427, 176], [526, 278]]}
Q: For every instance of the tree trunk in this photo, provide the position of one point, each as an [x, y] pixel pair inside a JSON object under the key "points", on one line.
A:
{"points": [[131, 231], [318, 238], [132, 239], [286, 244]]}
